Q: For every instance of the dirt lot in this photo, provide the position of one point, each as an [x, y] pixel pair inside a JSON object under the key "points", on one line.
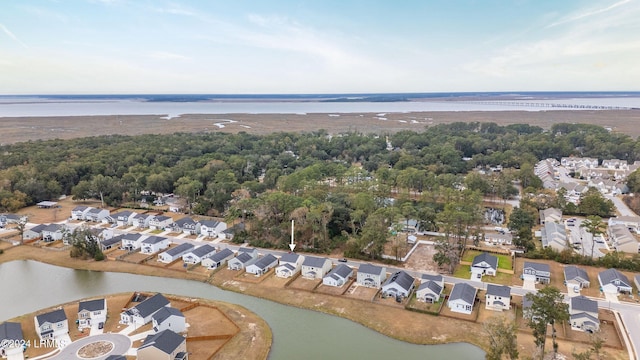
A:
{"points": [[422, 259], [334, 290], [60, 213], [209, 321], [356, 291], [304, 284]]}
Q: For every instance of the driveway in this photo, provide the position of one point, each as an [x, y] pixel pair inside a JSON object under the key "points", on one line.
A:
{"points": [[529, 284], [121, 345]]}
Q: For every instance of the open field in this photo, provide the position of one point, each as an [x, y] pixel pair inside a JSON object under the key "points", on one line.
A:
{"points": [[22, 129]]}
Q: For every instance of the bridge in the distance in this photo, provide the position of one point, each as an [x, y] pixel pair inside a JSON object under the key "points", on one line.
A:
{"points": [[552, 105]]}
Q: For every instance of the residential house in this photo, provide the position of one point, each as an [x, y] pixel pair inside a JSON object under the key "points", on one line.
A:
{"points": [[116, 357], [228, 233], [6, 219], [79, 212], [218, 259], [498, 297], [338, 276], [11, 340], [399, 284], [554, 235], [371, 275], [34, 233], [198, 254], [111, 242], [245, 257], [51, 325], [410, 226], [154, 244], [212, 228], [132, 241], [315, 267], [187, 226], [175, 253], [498, 239], [124, 218], [462, 298], [142, 220], [613, 281], [430, 288], [484, 264], [169, 318], [92, 312], [622, 239], [583, 314], [615, 164], [576, 277], [160, 222], [289, 265], [550, 214], [263, 265], [540, 273], [165, 345], [53, 232], [96, 215], [141, 314]]}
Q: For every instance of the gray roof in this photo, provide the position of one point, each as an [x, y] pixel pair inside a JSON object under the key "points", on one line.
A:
{"points": [[581, 303], [488, 258], [203, 250], [464, 292], [584, 314], [289, 257], [95, 211], [209, 223], [160, 218], [151, 305], [244, 258], [184, 221], [116, 357], [132, 237], [38, 228], [125, 214], [221, 255], [313, 261], [153, 240], [572, 272], [537, 266], [52, 227], [498, 290], [266, 261], [164, 313], [112, 241], [246, 250], [431, 285], [80, 208], [180, 249], [341, 270], [610, 275], [92, 305], [370, 269], [142, 216], [166, 341], [429, 277], [52, 317], [401, 278], [11, 331]]}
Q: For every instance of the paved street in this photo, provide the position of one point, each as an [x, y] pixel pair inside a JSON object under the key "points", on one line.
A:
{"points": [[121, 345]]}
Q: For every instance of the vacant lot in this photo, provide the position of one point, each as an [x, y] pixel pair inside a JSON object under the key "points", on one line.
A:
{"points": [[304, 284], [422, 259]]}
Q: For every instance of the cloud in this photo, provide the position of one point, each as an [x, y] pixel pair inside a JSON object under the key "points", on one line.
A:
{"points": [[12, 36], [164, 55], [587, 13]]}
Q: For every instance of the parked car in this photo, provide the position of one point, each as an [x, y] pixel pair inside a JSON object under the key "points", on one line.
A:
{"points": [[342, 260]]}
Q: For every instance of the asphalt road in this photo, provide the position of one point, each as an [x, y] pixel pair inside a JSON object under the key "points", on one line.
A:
{"points": [[121, 345]]}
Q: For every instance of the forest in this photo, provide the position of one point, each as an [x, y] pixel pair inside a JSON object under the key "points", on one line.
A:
{"points": [[343, 190]]}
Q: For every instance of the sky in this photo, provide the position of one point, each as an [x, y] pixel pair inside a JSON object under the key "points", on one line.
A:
{"points": [[327, 46]]}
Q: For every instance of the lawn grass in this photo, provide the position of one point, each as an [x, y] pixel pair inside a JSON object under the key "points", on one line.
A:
{"points": [[463, 272], [504, 261]]}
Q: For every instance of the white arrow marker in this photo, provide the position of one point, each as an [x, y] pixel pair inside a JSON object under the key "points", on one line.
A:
{"points": [[292, 246]]}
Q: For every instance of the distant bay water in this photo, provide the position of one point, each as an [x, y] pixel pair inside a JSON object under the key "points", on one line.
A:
{"points": [[176, 105]]}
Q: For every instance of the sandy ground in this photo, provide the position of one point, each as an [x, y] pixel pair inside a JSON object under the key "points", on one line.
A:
{"points": [[14, 130]]}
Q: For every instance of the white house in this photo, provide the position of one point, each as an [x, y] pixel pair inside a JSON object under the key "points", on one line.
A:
{"points": [[187, 226], [169, 318], [498, 297], [540, 273], [51, 325], [198, 254], [160, 222], [79, 212], [430, 289], [154, 244], [141, 314], [218, 259], [484, 264], [11, 340], [245, 257], [164, 345], [554, 235], [576, 277], [52, 232], [212, 228], [583, 314], [315, 267], [399, 284], [142, 220], [631, 222], [124, 218], [107, 244], [132, 241], [92, 312], [551, 215], [613, 281], [338, 276], [96, 215], [263, 265], [371, 275], [289, 265], [462, 298], [622, 239], [175, 253]]}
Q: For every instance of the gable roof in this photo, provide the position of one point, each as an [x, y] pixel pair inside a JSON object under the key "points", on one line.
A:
{"points": [[498, 290], [313, 261], [151, 305], [95, 211], [38, 228], [166, 312], [572, 272], [581, 303], [132, 236], [116, 357], [246, 250], [80, 208], [266, 261], [209, 223], [153, 240], [179, 249], [401, 278], [11, 331], [112, 241], [610, 275], [432, 277], [184, 221], [341, 270], [92, 305], [221, 255], [370, 269], [161, 218], [464, 292], [166, 341], [52, 317], [52, 227], [537, 266], [431, 285], [203, 250], [244, 258], [289, 257], [486, 257]]}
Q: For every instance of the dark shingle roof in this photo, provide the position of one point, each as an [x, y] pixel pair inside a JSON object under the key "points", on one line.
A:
{"points": [[166, 341], [246, 250], [223, 254], [314, 261], [430, 277], [537, 266], [52, 317], [11, 331], [116, 357], [370, 269], [610, 275], [203, 250], [209, 223], [463, 291], [184, 221], [38, 228], [80, 208], [431, 285], [180, 249], [289, 257], [151, 305], [401, 278], [498, 290], [341, 270], [92, 305], [571, 272], [161, 218], [153, 240], [488, 258], [164, 313], [112, 241], [132, 237], [266, 261], [581, 303]]}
